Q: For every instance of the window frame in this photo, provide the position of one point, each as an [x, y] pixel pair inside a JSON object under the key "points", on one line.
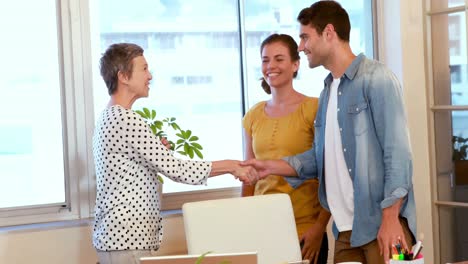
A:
{"points": [[435, 108]]}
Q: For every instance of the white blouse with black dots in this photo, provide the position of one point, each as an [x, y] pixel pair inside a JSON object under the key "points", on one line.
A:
{"points": [[127, 156]]}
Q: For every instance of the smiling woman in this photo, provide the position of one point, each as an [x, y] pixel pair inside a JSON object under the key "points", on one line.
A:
{"points": [[283, 126]]}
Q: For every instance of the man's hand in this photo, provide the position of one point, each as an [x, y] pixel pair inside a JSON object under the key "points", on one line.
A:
{"points": [[259, 165], [390, 232], [246, 174], [312, 242]]}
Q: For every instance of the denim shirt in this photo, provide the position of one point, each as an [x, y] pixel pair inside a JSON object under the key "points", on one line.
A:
{"points": [[376, 147]]}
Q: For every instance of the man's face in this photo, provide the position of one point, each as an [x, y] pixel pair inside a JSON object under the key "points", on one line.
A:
{"points": [[139, 81], [313, 45]]}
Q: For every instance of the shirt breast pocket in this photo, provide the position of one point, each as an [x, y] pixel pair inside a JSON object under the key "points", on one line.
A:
{"points": [[359, 116]]}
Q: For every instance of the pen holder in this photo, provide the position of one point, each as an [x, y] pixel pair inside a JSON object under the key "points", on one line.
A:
{"points": [[414, 261]]}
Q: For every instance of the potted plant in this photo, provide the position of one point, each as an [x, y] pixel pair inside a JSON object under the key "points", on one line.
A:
{"points": [[183, 142], [460, 159]]}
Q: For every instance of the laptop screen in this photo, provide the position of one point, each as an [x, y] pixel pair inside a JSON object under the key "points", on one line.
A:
{"points": [[263, 223]]}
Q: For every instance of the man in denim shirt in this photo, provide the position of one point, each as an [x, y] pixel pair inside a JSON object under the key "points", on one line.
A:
{"points": [[361, 152]]}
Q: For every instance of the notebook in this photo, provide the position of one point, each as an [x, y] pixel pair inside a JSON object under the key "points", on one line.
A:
{"points": [[264, 224], [232, 258]]}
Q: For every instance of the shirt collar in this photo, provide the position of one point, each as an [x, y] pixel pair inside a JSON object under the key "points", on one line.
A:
{"points": [[350, 71]]}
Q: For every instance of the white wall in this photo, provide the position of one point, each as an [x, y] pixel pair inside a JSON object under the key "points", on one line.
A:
{"points": [[72, 245], [402, 48]]}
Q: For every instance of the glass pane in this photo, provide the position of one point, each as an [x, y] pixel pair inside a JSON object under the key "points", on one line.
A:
{"points": [[441, 4], [193, 54], [264, 18], [452, 157], [450, 59], [453, 234], [31, 148]]}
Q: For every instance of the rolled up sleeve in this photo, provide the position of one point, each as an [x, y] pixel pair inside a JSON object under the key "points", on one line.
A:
{"points": [[304, 164]]}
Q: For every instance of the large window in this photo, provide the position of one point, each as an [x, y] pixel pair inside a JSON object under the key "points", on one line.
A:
{"points": [[195, 57], [205, 59], [449, 98], [31, 136], [267, 17]]}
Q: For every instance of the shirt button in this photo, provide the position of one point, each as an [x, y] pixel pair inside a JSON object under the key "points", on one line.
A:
{"points": [[339, 93], [344, 150], [357, 109], [341, 129], [338, 109], [349, 170]]}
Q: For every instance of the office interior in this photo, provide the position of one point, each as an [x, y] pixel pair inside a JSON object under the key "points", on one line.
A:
{"points": [[418, 39]]}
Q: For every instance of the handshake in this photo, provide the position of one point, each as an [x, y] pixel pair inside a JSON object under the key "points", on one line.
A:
{"points": [[249, 171]]}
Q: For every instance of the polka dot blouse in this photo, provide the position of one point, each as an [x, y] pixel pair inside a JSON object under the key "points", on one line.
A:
{"points": [[127, 157]]}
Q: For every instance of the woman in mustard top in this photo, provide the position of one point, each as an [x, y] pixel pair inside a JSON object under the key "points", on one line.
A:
{"points": [[283, 126]]}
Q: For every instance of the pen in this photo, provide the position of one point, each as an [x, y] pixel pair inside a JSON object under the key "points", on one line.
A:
{"points": [[394, 250], [398, 247], [417, 248]]}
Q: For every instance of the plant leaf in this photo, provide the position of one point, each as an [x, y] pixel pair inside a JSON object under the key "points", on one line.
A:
{"points": [[153, 114], [140, 113], [186, 147], [147, 112], [183, 134], [176, 126], [190, 152], [153, 129], [196, 145], [193, 138], [199, 154], [160, 134], [159, 124], [189, 133], [199, 259], [160, 179]]}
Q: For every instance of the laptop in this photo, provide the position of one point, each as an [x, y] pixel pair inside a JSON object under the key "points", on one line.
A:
{"points": [[231, 258], [264, 224]]}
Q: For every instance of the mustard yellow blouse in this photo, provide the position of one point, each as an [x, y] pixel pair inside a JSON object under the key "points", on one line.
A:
{"points": [[277, 137]]}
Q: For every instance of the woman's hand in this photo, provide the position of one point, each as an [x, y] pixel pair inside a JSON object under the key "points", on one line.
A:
{"points": [[166, 143], [312, 241], [246, 174]]}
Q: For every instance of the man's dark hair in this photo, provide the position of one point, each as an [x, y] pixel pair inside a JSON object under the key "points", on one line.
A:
{"points": [[118, 57], [325, 12]]}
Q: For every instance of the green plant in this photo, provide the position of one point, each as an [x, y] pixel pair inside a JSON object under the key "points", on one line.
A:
{"points": [[185, 142], [460, 148]]}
